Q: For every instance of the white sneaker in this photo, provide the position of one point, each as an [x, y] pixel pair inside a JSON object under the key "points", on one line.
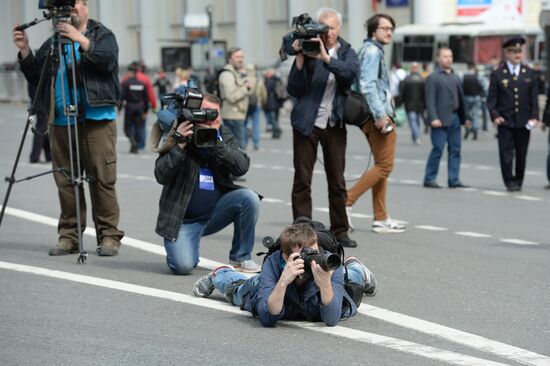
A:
{"points": [[388, 226], [348, 213]]}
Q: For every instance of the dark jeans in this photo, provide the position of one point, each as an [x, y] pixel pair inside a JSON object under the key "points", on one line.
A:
{"points": [[440, 136], [513, 142], [134, 124], [333, 143], [272, 118], [237, 128]]}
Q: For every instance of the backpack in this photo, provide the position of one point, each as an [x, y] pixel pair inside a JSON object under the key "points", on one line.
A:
{"points": [[327, 241], [213, 86]]}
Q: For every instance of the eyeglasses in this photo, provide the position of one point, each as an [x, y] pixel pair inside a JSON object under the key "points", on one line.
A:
{"points": [[386, 29]]}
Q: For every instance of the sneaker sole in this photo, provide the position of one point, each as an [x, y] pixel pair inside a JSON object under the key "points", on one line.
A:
{"points": [[381, 230], [243, 270]]}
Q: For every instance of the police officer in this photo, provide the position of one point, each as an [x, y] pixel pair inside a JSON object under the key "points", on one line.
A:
{"points": [[134, 96], [513, 105]]}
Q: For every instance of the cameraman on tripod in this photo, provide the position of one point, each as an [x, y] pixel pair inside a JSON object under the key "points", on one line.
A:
{"points": [[96, 68]]}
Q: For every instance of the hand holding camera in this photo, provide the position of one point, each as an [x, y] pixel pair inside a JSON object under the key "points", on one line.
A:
{"points": [[185, 130], [294, 267]]}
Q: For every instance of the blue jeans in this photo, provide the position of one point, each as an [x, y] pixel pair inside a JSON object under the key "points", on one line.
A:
{"points": [[225, 276], [414, 124], [473, 107], [240, 207], [272, 118], [237, 127], [254, 119], [440, 136]]}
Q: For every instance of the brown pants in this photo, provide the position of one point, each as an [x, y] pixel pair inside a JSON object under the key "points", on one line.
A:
{"points": [[97, 148], [333, 142], [383, 151]]}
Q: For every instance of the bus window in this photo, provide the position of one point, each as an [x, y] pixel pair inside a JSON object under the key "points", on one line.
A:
{"points": [[531, 41], [462, 48], [418, 48], [397, 53]]}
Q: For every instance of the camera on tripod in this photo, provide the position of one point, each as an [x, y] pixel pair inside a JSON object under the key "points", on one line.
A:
{"points": [[305, 28], [186, 105], [60, 10]]}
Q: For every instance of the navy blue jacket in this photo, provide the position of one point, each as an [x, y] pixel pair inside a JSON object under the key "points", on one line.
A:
{"points": [[308, 86], [98, 71], [304, 304], [514, 99], [439, 99]]}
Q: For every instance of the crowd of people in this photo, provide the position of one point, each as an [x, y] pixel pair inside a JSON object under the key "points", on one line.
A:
{"points": [[199, 194]]}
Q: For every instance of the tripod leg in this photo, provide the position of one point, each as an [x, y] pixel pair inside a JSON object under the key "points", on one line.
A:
{"points": [[11, 178]]}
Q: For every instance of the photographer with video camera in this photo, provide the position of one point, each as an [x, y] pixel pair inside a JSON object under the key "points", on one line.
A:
{"points": [[96, 52], [199, 197], [297, 281], [322, 73]]}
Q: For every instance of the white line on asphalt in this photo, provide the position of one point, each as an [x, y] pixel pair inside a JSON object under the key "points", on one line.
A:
{"points": [[410, 181], [272, 200], [472, 234], [134, 243], [528, 198], [431, 228], [209, 264], [471, 340], [483, 167], [519, 242], [495, 193], [531, 172], [340, 331]]}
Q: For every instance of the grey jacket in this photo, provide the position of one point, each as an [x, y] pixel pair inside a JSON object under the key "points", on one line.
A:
{"points": [[439, 99]]}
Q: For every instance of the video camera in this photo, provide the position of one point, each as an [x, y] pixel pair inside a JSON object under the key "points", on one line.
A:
{"points": [[186, 106], [59, 10], [305, 28]]}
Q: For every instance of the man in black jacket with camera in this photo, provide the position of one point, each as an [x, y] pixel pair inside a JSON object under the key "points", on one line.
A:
{"points": [[199, 198], [96, 52], [319, 82]]}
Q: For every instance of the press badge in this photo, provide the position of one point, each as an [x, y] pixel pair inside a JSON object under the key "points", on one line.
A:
{"points": [[206, 179]]}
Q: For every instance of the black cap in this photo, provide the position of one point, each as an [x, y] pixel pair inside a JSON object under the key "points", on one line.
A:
{"points": [[516, 42]]}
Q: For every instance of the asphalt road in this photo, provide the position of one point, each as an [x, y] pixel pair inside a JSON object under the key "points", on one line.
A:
{"points": [[467, 284]]}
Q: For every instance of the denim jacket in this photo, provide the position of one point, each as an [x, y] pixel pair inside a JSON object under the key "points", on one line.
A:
{"points": [[376, 90], [298, 304]]}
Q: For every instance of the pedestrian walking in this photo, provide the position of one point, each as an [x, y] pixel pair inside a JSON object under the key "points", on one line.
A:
{"points": [[255, 100], [135, 101], [276, 95], [473, 94], [412, 96]]}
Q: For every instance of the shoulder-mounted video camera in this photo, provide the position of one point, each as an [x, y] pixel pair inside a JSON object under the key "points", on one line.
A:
{"points": [[305, 28], [185, 105]]}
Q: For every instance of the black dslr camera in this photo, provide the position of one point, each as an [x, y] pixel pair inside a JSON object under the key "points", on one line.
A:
{"points": [[305, 28], [327, 261], [186, 105]]}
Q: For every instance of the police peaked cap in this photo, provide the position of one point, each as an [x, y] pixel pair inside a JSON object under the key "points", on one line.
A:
{"points": [[514, 42]]}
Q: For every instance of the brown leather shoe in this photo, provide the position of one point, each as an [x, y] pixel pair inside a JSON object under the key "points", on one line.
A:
{"points": [[108, 248], [64, 247]]}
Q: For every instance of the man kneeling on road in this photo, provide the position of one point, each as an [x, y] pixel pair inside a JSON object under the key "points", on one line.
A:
{"points": [[289, 288], [199, 198]]}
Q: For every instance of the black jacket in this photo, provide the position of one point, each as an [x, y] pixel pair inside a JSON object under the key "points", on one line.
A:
{"points": [[516, 100], [412, 93], [98, 68], [178, 171], [308, 86], [439, 99]]}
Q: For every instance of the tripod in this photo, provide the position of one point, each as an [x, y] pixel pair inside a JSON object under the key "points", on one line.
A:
{"points": [[58, 55]]}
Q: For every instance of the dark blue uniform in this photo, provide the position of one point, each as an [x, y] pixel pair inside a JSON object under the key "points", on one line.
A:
{"points": [[514, 98]]}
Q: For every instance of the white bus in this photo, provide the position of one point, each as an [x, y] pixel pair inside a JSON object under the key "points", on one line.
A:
{"points": [[470, 42]]}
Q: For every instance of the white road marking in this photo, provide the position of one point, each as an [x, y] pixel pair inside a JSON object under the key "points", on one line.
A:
{"points": [[531, 172], [340, 331], [528, 198], [472, 234], [410, 181], [393, 317], [431, 228], [495, 193], [519, 242], [471, 340], [483, 167], [272, 200]]}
